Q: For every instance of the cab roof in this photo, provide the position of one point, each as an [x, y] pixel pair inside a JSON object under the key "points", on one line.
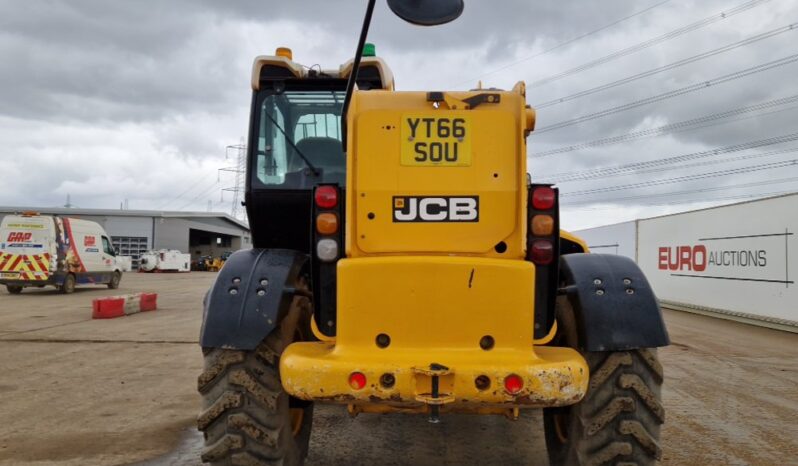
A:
{"points": [[374, 71]]}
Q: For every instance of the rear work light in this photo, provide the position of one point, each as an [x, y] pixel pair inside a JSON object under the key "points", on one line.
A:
{"points": [[542, 252], [543, 198], [326, 197], [327, 223]]}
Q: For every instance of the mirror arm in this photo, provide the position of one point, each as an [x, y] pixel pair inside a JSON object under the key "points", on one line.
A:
{"points": [[350, 84]]}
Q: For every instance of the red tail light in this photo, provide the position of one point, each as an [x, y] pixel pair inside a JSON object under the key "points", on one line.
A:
{"points": [[326, 197], [513, 383], [357, 380], [542, 251], [543, 198]]}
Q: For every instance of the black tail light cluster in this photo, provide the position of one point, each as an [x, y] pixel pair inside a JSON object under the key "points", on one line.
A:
{"points": [[543, 249], [327, 247]]}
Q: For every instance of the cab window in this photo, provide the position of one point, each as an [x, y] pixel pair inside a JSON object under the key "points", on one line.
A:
{"points": [[296, 127], [107, 248]]}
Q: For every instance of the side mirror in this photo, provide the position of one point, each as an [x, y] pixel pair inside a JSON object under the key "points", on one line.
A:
{"points": [[427, 12]]}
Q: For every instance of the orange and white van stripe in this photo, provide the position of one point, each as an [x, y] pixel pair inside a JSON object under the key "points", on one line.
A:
{"points": [[30, 267]]}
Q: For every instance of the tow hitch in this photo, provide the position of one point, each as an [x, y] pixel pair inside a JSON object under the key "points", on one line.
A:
{"points": [[434, 398]]}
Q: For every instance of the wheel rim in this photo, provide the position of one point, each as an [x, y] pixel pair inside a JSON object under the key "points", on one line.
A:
{"points": [[297, 414]]}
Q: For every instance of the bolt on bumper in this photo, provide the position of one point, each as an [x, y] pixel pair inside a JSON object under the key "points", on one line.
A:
{"points": [[451, 379]]}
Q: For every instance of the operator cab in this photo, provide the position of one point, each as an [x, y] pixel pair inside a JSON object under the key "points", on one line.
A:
{"points": [[295, 141]]}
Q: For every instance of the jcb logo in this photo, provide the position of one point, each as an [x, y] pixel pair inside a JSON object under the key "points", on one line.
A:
{"points": [[435, 209], [19, 237]]}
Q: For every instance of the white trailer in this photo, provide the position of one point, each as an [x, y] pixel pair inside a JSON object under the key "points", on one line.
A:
{"points": [[620, 239], [738, 260], [165, 261]]}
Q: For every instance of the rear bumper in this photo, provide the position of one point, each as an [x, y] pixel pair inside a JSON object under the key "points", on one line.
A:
{"points": [[320, 371], [50, 279], [435, 310]]}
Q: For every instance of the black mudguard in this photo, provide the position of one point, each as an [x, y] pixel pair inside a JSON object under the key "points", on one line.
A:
{"points": [[240, 311], [614, 305]]}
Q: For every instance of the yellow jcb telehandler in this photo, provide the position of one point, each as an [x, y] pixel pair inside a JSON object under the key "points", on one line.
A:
{"points": [[403, 262]]}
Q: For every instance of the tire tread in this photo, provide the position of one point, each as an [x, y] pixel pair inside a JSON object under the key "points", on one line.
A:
{"points": [[245, 419], [618, 422]]}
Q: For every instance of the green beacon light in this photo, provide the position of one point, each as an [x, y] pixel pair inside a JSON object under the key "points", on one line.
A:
{"points": [[369, 50]]}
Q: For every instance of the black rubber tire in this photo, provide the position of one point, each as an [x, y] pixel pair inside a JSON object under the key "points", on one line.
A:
{"points": [[618, 421], [69, 284], [115, 279], [247, 415], [14, 289]]}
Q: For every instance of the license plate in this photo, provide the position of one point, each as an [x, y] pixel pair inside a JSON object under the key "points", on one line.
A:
{"points": [[436, 141], [9, 274]]}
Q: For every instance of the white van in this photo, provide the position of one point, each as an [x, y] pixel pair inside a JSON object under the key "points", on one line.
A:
{"points": [[39, 250]]}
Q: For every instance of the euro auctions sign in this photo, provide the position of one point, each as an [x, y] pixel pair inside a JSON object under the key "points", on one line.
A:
{"points": [[741, 258], [698, 257]]}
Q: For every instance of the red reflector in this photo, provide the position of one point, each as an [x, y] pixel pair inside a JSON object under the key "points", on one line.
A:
{"points": [[513, 383], [357, 380], [543, 198], [542, 251], [326, 197]]}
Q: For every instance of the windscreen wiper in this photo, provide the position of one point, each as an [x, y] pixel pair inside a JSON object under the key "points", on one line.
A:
{"points": [[291, 142]]}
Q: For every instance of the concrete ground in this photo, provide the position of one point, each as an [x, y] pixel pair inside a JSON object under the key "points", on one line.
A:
{"points": [[122, 391]]}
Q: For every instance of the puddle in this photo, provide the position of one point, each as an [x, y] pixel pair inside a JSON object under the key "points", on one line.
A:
{"points": [[187, 452]]}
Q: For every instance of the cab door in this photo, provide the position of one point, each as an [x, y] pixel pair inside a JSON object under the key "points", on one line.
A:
{"points": [[108, 255]]}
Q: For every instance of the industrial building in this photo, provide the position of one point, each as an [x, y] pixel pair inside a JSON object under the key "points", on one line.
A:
{"points": [[134, 232], [736, 261]]}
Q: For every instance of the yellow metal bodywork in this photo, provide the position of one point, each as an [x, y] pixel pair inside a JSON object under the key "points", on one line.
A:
{"points": [[573, 238], [375, 175], [435, 311], [436, 288], [214, 265]]}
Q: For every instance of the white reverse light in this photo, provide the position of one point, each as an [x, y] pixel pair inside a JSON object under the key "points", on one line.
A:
{"points": [[327, 250]]}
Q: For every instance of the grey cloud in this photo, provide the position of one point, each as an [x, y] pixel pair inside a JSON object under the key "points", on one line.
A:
{"points": [[178, 72]]}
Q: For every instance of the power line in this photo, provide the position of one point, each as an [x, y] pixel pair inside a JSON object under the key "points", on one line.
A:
{"points": [[636, 166], [675, 127], [684, 192], [563, 44], [207, 191], [725, 160], [651, 42], [671, 66], [674, 93], [686, 178], [703, 199], [183, 193]]}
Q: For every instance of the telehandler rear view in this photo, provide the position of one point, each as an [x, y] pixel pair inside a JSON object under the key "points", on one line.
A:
{"points": [[404, 263]]}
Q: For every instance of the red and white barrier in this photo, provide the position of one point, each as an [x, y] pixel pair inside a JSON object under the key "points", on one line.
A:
{"points": [[118, 306]]}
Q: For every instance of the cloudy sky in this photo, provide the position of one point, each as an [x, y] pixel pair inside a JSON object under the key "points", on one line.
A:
{"points": [[137, 100]]}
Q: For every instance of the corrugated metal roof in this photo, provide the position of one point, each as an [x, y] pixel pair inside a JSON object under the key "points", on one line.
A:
{"points": [[123, 213]]}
